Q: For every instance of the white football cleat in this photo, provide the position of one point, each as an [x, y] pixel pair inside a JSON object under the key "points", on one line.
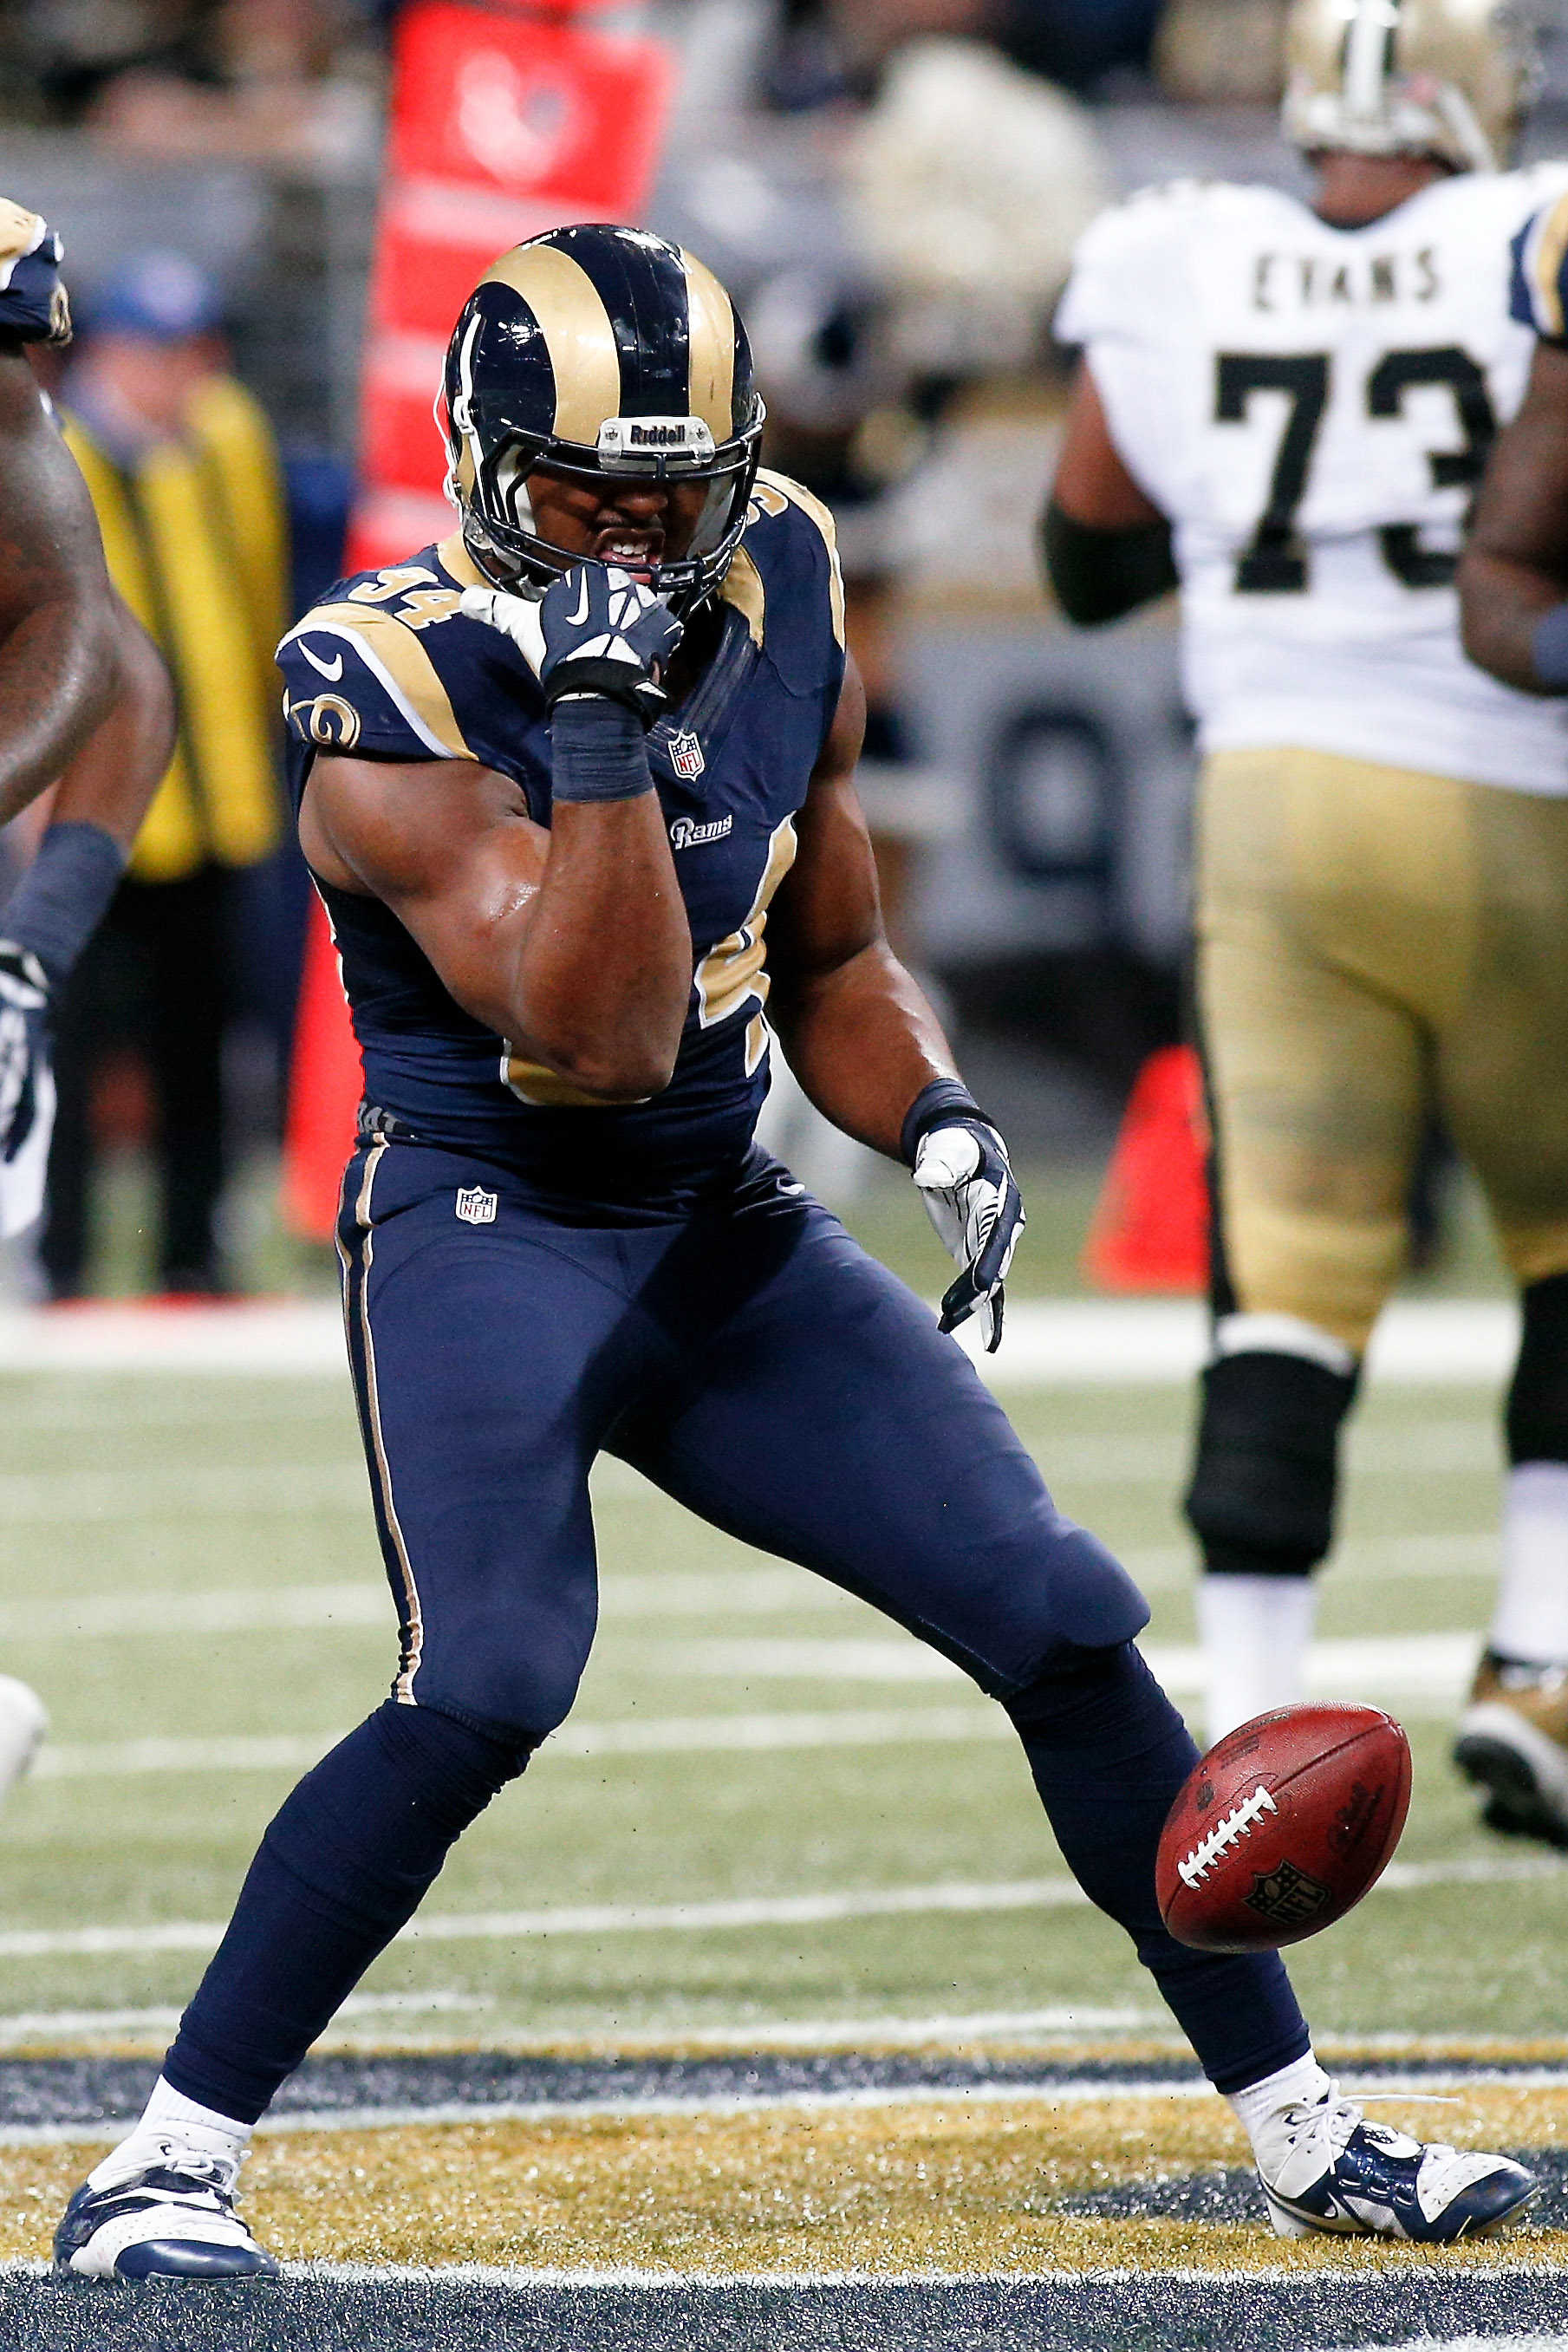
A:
{"points": [[172, 2218], [24, 1720], [1341, 2175]]}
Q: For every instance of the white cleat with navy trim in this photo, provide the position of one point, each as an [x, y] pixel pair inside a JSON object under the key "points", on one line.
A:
{"points": [[1341, 2175], [173, 2219]]}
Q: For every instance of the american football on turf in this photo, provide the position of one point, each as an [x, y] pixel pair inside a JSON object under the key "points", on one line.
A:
{"points": [[1283, 1827]]}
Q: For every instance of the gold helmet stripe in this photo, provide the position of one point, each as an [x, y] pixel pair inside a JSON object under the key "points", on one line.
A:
{"points": [[711, 343], [578, 335]]}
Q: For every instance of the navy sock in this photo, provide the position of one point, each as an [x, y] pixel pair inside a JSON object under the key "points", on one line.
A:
{"points": [[1109, 1752], [344, 1866]]}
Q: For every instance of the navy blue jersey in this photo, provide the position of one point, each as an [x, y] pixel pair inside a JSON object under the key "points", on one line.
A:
{"points": [[32, 299], [387, 667]]}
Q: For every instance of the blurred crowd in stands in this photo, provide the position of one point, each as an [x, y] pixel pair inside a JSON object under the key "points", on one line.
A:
{"points": [[892, 188], [279, 78]]}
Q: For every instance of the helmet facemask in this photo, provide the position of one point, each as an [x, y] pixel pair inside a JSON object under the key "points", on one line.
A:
{"points": [[500, 522]]}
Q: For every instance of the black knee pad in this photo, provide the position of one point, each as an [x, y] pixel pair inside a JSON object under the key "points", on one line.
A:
{"points": [[1262, 1494], [1536, 1421]]}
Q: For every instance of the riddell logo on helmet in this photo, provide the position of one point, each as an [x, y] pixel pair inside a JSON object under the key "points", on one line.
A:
{"points": [[657, 436]]}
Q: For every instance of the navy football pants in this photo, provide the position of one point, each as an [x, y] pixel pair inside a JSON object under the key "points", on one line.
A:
{"points": [[753, 1362]]}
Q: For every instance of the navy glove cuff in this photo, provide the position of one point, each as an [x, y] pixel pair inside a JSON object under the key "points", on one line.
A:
{"points": [[937, 1105], [1549, 648], [597, 751], [611, 681], [64, 895]]}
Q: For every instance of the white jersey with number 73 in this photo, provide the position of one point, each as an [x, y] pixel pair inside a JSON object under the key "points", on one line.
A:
{"points": [[1312, 407]]}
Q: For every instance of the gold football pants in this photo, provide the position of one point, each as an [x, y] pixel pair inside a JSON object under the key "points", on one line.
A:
{"points": [[1374, 945]]}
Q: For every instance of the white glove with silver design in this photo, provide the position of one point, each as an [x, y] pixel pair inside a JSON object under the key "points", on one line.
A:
{"points": [[596, 630], [962, 1169]]}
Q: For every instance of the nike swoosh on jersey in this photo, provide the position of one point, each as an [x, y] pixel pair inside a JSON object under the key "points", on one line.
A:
{"points": [[330, 670]]}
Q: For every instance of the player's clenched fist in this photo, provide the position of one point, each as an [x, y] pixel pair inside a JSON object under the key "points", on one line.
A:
{"points": [[604, 632]]}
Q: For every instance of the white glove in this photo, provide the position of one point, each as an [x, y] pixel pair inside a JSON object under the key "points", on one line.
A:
{"points": [[596, 630], [973, 1200], [27, 1088]]}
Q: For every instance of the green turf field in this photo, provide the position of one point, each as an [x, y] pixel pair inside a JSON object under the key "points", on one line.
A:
{"points": [[187, 1568]]}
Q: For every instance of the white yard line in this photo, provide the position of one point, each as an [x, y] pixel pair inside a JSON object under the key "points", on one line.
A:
{"points": [[724, 1916], [824, 2033], [1428, 1342], [204, 1490], [253, 1609], [1433, 1668], [172, 1614]]}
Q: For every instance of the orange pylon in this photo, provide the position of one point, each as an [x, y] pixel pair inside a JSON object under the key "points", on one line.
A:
{"points": [[325, 1083], [1150, 1226]]}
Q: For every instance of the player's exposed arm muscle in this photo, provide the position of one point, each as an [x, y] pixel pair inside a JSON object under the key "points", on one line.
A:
{"points": [[111, 781], [856, 1030], [573, 943], [58, 626], [1515, 568], [1106, 547]]}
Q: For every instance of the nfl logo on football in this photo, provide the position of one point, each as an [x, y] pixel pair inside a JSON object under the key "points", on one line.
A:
{"points": [[475, 1206], [687, 755]]}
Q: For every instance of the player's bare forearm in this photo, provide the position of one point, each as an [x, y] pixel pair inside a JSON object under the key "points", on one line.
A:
{"points": [[111, 781], [601, 974], [573, 943], [856, 1030], [1515, 567], [863, 1042], [58, 667]]}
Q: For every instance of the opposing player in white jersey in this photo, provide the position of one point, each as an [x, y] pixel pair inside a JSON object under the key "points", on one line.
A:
{"points": [[84, 704], [1288, 407]]}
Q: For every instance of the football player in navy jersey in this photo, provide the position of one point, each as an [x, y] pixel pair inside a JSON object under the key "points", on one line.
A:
{"points": [[84, 702], [576, 787]]}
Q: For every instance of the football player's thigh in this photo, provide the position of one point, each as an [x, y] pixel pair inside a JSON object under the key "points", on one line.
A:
{"points": [[487, 1363], [836, 1426], [1503, 1062], [1317, 1075]]}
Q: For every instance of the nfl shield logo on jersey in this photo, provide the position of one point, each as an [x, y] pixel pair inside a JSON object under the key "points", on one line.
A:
{"points": [[475, 1206], [687, 755]]}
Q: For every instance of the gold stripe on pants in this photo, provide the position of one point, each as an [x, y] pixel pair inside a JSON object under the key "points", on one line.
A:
{"points": [[1374, 944]]}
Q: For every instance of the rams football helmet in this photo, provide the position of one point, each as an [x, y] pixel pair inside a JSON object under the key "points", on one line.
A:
{"points": [[1446, 78], [593, 350]]}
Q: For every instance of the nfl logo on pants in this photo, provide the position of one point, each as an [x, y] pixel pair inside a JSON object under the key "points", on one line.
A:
{"points": [[475, 1206]]}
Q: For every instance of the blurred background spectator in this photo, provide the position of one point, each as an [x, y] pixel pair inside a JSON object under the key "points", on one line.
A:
{"points": [[184, 477], [891, 189]]}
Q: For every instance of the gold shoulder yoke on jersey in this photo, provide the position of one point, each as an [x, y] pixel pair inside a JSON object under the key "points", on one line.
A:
{"points": [[20, 232], [455, 560], [1550, 244], [394, 653], [781, 487], [743, 588]]}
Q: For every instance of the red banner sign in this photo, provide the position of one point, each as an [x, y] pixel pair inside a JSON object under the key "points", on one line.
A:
{"points": [[503, 124]]}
